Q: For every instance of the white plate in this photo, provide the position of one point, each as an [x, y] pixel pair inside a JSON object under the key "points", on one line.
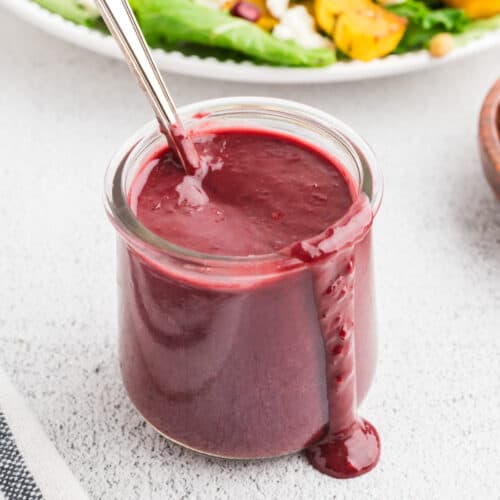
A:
{"points": [[176, 62]]}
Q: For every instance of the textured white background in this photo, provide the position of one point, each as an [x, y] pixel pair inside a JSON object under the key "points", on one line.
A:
{"points": [[436, 397]]}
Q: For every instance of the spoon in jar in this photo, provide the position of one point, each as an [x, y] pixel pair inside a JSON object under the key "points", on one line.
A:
{"points": [[122, 24]]}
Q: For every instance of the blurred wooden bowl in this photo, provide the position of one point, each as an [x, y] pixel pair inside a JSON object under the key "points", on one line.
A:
{"points": [[489, 137]]}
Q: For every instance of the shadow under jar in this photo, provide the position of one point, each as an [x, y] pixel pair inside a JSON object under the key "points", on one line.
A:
{"points": [[259, 356]]}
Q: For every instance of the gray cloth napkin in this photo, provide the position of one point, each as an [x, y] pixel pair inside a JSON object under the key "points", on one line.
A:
{"points": [[30, 466]]}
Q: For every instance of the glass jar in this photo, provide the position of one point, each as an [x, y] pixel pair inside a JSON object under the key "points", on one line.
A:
{"points": [[225, 355]]}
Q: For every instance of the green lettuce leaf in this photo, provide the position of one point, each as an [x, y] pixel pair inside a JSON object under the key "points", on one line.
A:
{"points": [[424, 23], [167, 23], [72, 10]]}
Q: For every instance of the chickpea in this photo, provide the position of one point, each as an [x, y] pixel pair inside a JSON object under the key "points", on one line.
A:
{"points": [[441, 44]]}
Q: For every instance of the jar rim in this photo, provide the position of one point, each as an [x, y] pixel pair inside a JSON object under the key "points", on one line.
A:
{"points": [[125, 221]]}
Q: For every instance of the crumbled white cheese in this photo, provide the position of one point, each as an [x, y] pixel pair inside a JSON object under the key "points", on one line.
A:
{"points": [[277, 7], [298, 25]]}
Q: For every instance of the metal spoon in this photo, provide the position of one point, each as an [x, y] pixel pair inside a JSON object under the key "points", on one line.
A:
{"points": [[122, 24]]}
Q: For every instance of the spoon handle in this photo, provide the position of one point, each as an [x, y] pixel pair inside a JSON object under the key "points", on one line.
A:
{"points": [[122, 24]]}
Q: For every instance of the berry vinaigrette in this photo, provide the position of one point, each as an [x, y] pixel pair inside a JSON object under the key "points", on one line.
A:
{"points": [[253, 334]]}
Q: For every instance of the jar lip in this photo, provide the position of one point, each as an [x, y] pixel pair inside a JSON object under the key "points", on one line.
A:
{"points": [[126, 222]]}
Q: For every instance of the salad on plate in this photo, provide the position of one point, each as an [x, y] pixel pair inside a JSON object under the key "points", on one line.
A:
{"points": [[307, 33]]}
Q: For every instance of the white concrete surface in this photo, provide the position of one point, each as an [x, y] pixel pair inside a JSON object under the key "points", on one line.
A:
{"points": [[436, 398]]}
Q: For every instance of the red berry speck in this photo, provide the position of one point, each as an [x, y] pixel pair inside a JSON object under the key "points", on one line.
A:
{"points": [[246, 10]]}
